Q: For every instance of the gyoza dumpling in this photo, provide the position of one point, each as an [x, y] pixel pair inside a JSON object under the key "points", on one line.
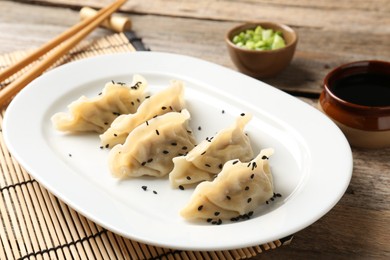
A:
{"points": [[150, 147], [168, 100], [237, 191], [208, 157], [96, 114]]}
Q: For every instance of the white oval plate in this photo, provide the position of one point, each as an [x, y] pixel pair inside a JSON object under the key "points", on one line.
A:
{"points": [[312, 164]]}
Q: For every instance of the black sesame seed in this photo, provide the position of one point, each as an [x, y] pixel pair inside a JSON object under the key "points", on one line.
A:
{"points": [[147, 123], [278, 195], [147, 97], [132, 103], [247, 188], [144, 187], [242, 114], [174, 144], [184, 148], [155, 192], [200, 207], [199, 128], [223, 111], [207, 165], [254, 165], [106, 123], [219, 222], [107, 145], [165, 152], [249, 200], [70, 155], [264, 157], [250, 213], [228, 197], [203, 153], [181, 187], [209, 220], [143, 163], [252, 175], [235, 162], [163, 108], [216, 213], [113, 82], [115, 135], [220, 166], [101, 147], [136, 85], [188, 178], [100, 93], [150, 160], [157, 132]]}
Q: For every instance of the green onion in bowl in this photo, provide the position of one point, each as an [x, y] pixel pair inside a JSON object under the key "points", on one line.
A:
{"points": [[259, 39]]}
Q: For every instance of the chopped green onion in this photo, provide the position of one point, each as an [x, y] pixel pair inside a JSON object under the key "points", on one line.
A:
{"points": [[259, 39]]}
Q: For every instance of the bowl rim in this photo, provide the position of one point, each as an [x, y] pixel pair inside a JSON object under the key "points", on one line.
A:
{"points": [[253, 24]]}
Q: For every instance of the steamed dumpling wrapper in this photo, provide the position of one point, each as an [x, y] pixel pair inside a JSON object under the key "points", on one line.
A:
{"points": [[150, 147], [207, 158], [96, 114], [167, 100], [239, 189]]}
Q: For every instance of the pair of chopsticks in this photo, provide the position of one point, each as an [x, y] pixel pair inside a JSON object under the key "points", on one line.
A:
{"points": [[72, 36]]}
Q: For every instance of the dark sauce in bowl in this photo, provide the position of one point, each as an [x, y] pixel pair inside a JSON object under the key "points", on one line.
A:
{"points": [[366, 89]]}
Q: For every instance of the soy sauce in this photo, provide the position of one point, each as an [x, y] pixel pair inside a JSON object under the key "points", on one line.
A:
{"points": [[366, 89]]}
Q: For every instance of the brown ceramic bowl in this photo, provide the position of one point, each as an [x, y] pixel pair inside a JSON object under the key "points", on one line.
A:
{"points": [[258, 63], [356, 97]]}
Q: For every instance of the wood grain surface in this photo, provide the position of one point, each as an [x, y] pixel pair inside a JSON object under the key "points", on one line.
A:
{"points": [[331, 33]]}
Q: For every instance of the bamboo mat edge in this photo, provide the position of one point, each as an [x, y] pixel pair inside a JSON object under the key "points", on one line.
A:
{"points": [[37, 225]]}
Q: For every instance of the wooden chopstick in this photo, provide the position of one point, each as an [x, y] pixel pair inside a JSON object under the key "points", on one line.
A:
{"points": [[72, 36], [45, 48]]}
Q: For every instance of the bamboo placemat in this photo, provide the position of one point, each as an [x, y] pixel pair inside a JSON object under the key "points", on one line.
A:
{"points": [[34, 224]]}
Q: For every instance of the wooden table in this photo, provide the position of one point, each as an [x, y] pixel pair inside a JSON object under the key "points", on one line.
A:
{"points": [[330, 33]]}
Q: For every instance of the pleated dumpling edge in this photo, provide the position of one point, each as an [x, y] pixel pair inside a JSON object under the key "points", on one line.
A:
{"points": [[238, 190], [167, 100], [150, 147], [205, 161], [97, 113]]}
